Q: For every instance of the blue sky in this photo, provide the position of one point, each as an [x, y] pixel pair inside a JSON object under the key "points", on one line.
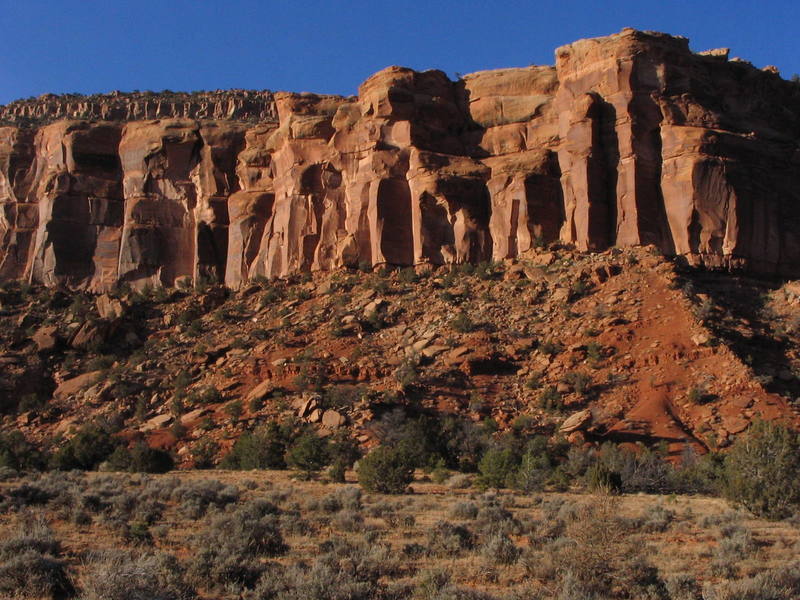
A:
{"points": [[90, 46]]}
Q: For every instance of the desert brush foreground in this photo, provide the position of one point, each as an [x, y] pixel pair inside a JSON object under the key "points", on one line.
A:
{"points": [[264, 535]]}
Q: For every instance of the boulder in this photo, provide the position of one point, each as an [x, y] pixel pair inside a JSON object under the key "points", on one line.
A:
{"points": [[157, 422], [70, 387], [46, 338], [109, 308], [576, 421], [261, 391], [332, 419]]}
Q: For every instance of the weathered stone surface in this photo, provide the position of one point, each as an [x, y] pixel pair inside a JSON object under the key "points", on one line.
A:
{"points": [[46, 338], [136, 106], [109, 308], [629, 139], [332, 419], [576, 421], [77, 384], [157, 422], [261, 391]]}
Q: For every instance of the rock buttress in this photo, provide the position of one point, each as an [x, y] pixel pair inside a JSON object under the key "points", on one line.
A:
{"points": [[629, 139]]}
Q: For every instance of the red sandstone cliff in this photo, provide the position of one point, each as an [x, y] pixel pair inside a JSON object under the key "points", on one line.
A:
{"points": [[630, 139]]}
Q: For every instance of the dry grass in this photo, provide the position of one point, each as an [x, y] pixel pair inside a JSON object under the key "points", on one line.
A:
{"points": [[676, 535]]}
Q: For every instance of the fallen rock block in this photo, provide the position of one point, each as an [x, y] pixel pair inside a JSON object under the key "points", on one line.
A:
{"points": [[260, 391], [70, 387], [576, 421], [156, 422], [46, 338], [332, 419], [108, 308]]}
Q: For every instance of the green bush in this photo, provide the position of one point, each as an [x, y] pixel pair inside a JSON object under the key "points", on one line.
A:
{"points": [[140, 459], [536, 467], [386, 470], [498, 468], [309, 453], [762, 471], [462, 323], [550, 399], [86, 450], [204, 452], [17, 453], [264, 448]]}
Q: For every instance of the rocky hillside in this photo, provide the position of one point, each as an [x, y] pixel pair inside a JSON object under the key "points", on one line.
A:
{"points": [[628, 140], [616, 346]]}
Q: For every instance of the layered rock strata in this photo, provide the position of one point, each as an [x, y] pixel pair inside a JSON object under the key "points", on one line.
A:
{"points": [[629, 139]]}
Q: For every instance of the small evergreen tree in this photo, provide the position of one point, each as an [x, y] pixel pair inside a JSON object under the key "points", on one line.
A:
{"points": [[386, 470], [762, 470], [308, 454]]}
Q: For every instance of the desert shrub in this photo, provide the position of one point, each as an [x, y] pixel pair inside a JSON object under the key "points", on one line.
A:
{"points": [[28, 564], [446, 539], [309, 453], [500, 549], [344, 498], [580, 381], [234, 409], [550, 399], [408, 275], [344, 570], [698, 474], [773, 584], [762, 470], [204, 452], [19, 454], [343, 449], [264, 448], [342, 396], [682, 586], [337, 471], [461, 323], [459, 481], [85, 450], [407, 373], [428, 440], [386, 470], [120, 575], [196, 497], [594, 350], [620, 469], [435, 584], [550, 347], [31, 574], [536, 466], [140, 459], [498, 468], [735, 543], [656, 519], [348, 520], [599, 558], [227, 553], [464, 510]]}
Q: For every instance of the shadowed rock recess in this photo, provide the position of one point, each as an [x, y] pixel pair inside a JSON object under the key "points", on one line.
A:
{"points": [[630, 139]]}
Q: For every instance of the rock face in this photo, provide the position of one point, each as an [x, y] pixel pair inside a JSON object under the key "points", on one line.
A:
{"points": [[630, 139]]}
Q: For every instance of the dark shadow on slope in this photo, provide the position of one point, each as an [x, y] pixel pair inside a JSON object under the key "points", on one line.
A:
{"points": [[734, 308]]}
